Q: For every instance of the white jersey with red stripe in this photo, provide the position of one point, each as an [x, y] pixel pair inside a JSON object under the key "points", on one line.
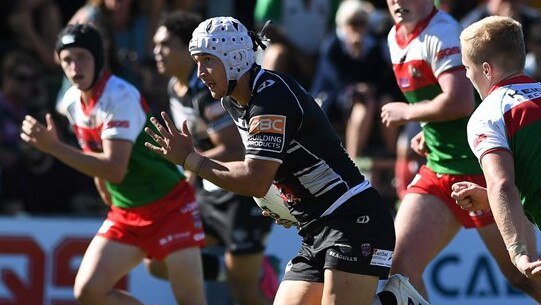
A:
{"points": [[509, 118], [115, 112], [118, 111], [432, 49]]}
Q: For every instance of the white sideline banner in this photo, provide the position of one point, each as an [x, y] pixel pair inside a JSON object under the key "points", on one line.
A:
{"points": [[39, 258]]}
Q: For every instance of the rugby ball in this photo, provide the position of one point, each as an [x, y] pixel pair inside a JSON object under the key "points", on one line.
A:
{"points": [[276, 206]]}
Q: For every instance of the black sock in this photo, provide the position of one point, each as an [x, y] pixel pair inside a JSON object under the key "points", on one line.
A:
{"points": [[387, 298], [211, 266]]}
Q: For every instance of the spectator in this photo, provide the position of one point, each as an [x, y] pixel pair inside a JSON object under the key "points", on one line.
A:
{"points": [[298, 30], [126, 31], [55, 188], [532, 66], [354, 79], [31, 25], [22, 88], [517, 9]]}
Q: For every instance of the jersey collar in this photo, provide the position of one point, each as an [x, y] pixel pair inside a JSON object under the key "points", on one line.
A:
{"points": [[97, 93], [416, 31], [521, 79]]}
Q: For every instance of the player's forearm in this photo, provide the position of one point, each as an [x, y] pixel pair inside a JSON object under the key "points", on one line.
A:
{"points": [[91, 164], [234, 176], [440, 109], [508, 213]]}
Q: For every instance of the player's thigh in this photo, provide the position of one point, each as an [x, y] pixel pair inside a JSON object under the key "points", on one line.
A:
{"points": [[243, 268], [423, 222], [105, 262], [294, 292], [185, 271], [348, 288]]}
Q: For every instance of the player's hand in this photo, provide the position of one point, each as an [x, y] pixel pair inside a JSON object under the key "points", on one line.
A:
{"points": [[531, 269], [418, 144], [171, 143], [43, 137], [394, 114], [470, 196]]}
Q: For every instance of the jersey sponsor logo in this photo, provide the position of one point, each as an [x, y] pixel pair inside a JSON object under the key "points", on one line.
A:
{"points": [[265, 84], [447, 52], [480, 138], [267, 124], [118, 124], [267, 132]]}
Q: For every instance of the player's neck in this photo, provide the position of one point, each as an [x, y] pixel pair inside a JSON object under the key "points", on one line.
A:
{"points": [[242, 91]]}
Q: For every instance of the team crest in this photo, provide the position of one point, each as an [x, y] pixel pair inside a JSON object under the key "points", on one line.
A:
{"points": [[414, 72], [366, 249]]}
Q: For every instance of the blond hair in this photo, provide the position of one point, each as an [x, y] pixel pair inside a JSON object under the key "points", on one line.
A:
{"points": [[495, 39], [350, 9]]}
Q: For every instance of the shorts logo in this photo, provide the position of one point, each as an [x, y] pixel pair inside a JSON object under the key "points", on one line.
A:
{"points": [[199, 236], [366, 249], [267, 132], [363, 219], [342, 257], [383, 258], [345, 249]]}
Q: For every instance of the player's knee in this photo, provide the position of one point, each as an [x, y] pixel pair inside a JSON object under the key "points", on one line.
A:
{"points": [[407, 266]]}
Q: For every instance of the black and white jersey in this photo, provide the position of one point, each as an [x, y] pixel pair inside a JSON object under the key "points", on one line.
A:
{"points": [[283, 123]]}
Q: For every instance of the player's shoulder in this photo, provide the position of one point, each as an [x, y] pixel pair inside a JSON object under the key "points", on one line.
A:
{"points": [[269, 83], [119, 90], [443, 24]]}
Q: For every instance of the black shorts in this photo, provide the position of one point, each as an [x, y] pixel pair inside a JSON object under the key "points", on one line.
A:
{"points": [[359, 238], [237, 224]]}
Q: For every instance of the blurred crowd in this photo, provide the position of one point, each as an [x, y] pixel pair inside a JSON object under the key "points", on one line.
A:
{"points": [[336, 49]]}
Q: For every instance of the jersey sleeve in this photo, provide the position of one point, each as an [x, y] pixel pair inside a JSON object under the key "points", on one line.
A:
{"points": [[443, 48], [273, 121], [123, 114], [486, 130]]}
